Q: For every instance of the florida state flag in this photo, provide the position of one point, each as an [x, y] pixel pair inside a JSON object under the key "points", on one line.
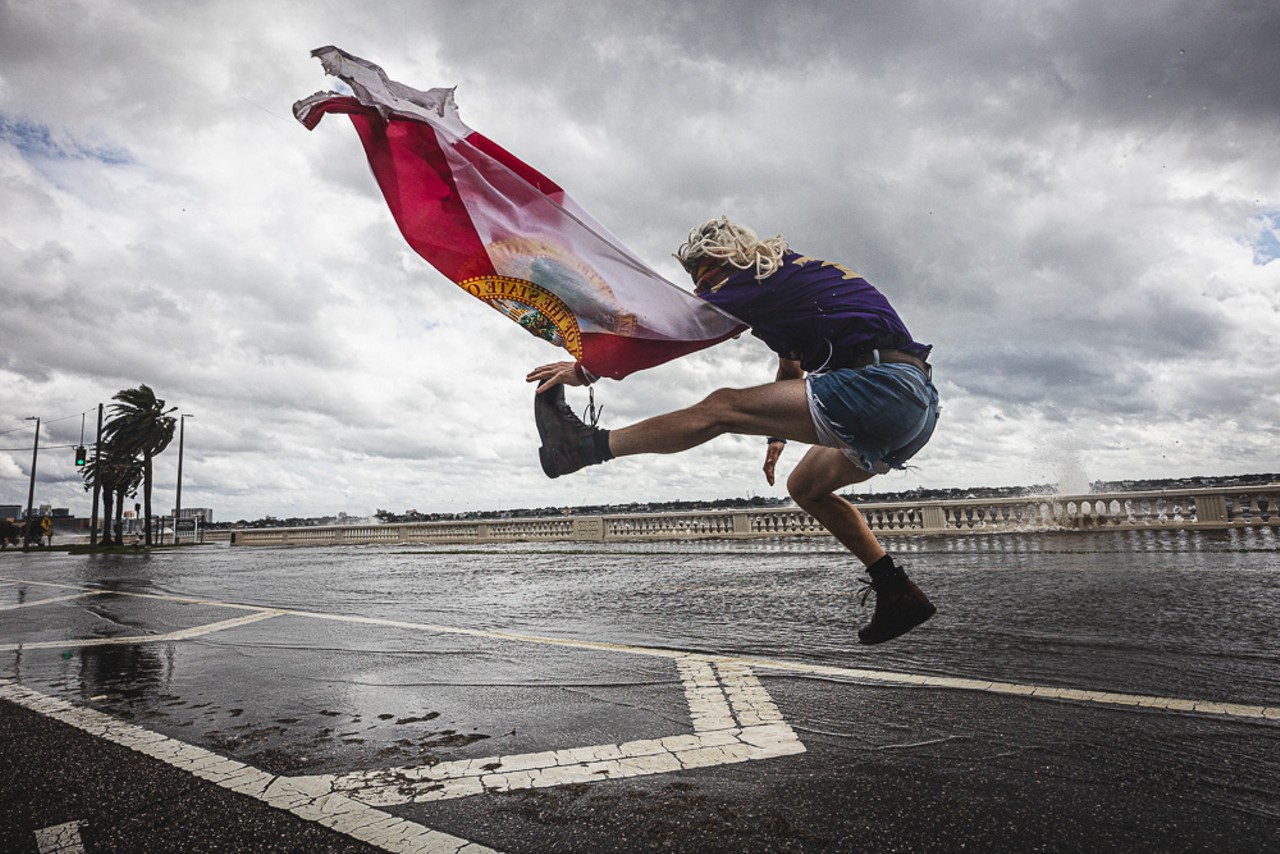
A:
{"points": [[507, 234]]}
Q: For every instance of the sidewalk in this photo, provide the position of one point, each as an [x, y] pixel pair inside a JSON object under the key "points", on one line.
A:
{"points": [[52, 774]]}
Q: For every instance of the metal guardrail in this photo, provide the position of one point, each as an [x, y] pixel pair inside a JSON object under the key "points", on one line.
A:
{"points": [[1198, 509]]}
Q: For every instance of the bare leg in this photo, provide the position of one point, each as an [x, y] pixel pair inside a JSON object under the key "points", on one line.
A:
{"points": [[777, 409], [900, 603], [813, 484]]}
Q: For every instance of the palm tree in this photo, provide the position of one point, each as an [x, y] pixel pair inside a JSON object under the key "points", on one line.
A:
{"points": [[118, 473], [142, 426], [126, 488]]}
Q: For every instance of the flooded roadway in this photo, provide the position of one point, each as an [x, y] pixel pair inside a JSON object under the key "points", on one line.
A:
{"points": [[1099, 692]]}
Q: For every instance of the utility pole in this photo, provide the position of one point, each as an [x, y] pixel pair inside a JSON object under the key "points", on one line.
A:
{"points": [[97, 482], [177, 509], [31, 490]]}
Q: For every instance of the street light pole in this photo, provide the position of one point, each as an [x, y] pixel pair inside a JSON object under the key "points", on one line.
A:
{"points": [[177, 509], [31, 490], [97, 482]]}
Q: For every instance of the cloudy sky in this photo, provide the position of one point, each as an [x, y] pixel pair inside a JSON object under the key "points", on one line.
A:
{"points": [[1077, 203]]}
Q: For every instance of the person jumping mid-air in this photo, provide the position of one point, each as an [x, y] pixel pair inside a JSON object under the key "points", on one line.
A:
{"points": [[851, 382]]}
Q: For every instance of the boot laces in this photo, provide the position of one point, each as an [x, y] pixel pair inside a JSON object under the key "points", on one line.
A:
{"points": [[866, 590], [591, 415]]}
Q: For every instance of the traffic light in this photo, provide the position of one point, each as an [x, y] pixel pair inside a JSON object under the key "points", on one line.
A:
{"points": [[80, 455]]}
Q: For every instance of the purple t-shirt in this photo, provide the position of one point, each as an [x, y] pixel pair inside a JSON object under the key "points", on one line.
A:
{"points": [[816, 312]]}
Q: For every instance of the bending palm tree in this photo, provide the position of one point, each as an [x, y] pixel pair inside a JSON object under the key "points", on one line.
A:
{"points": [[119, 474], [142, 426]]}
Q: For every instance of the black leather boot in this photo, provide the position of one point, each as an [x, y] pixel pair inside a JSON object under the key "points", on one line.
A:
{"points": [[567, 443], [900, 604]]}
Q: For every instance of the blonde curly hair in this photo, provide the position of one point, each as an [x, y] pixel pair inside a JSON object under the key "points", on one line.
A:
{"points": [[733, 244]]}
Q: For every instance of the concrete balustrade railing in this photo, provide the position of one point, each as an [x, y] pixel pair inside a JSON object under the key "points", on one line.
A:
{"points": [[1200, 509]]}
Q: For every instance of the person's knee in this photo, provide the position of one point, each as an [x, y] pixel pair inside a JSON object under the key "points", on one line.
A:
{"points": [[803, 490], [720, 408]]}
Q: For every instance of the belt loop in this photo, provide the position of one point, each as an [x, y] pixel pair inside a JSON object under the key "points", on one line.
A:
{"points": [[875, 354]]}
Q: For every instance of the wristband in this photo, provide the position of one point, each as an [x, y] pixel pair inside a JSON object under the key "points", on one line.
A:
{"points": [[773, 439]]}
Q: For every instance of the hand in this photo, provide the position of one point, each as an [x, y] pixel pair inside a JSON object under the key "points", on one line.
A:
{"points": [[555, 374], [771, 459]]}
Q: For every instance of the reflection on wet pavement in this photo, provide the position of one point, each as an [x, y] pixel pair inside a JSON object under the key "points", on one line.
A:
{"points": [[404, 678]]}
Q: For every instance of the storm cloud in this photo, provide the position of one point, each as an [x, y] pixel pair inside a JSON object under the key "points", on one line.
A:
{"points": [[1077, 203]]}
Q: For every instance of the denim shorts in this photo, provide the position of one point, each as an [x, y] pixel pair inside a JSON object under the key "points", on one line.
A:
{"points": [[879, 415]]}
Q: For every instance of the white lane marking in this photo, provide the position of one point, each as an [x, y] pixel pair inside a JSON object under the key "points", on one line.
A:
{"points": [[60, 839], [1030, 691], [51, 600], [331, 810], [166, 597], [180, 634], [734, 720], [751, 703], [1035, 692]]}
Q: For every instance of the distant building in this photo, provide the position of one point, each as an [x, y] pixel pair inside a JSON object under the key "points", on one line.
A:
{"points": [[203, 515], [11, 511]]}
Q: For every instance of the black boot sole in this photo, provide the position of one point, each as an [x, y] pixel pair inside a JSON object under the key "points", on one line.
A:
{"points": [[548, 463], [915, 618], [545, 409]]}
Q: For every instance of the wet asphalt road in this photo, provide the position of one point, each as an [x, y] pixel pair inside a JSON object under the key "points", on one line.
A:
{"points": [[612, 675]]}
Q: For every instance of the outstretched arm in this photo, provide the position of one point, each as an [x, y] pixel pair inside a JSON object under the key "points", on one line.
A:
{"points": [[788, 369]]}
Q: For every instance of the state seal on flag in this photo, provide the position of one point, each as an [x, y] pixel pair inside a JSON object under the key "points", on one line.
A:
{"points": [[532, 306], [558, 269]]}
